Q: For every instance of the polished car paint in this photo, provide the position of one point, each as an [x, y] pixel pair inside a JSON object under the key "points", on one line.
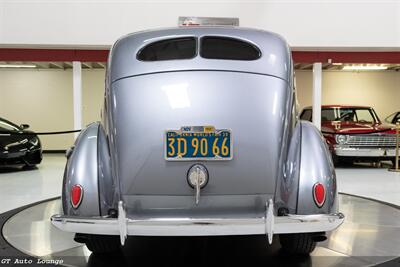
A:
{"points": [[18, 145], [276, 159]]}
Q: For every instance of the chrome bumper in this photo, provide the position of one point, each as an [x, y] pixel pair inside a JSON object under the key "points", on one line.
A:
{"points": [[364, 152], [268, 225]]}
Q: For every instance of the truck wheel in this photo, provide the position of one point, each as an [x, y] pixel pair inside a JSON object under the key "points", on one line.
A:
{"points": [[99, 243], [300, 244]]}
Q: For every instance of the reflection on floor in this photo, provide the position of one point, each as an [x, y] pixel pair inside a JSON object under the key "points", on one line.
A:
{"points": [[370, 234], [364, 179], [20, 187]]}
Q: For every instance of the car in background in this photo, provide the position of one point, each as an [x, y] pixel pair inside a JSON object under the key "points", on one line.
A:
{"points": [[18, 146], [355, 133], [393, 118]]}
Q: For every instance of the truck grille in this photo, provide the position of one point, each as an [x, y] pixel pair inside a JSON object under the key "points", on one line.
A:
{"points": [[368, 140]]}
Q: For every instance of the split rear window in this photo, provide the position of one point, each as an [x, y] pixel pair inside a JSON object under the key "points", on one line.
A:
{"points": [[177, 48], [211, 47], [214, 47]]}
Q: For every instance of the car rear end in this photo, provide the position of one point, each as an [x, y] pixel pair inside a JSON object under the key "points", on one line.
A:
{"points": [[206, 107], [198, 124]]}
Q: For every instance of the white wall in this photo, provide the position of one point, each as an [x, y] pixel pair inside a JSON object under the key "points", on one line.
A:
{"points": [[92, 95], [43, 99], [379, 89], [312, 24]]}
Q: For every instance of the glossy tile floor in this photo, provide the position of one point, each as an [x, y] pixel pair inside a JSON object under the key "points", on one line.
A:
{"points": [[371, 229], [368, 181], [370, 235], [21, 187]]}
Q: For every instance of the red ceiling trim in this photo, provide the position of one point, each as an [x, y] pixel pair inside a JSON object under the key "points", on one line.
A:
{"points": [[20, 54]]}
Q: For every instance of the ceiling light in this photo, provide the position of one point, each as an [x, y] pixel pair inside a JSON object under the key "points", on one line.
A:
{"points": [[17, 66], [337, 64], [366, 67]]}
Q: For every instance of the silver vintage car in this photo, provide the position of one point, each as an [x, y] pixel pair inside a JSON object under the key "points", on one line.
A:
{"points": [[199, 136]]}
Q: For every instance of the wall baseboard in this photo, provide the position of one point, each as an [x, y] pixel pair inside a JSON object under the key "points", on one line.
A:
{"points": [[54, 151]]}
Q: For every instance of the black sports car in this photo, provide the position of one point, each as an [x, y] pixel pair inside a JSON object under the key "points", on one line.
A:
{"points": [[18, 145]]}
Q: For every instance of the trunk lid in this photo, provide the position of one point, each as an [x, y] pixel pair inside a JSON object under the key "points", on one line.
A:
{"points": [[252, 106]]}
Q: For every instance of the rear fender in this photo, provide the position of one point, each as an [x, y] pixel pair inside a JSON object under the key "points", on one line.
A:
{"points": [[316, 167], [286, 194], [88, 165]]}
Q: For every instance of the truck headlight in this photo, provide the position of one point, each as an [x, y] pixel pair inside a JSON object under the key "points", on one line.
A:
{"points": [[341, 139]]}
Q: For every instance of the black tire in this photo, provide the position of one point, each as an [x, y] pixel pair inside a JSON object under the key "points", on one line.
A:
{"points": [[99, 244], [394, 163], [336, 160], [28, 167], [299, 244], [341, 161]]}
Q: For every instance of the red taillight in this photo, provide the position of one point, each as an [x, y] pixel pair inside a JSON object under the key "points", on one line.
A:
{"points": [[76, 195], [319, 194]]}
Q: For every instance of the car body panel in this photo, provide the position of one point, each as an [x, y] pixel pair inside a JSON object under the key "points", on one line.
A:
{"points": [[229, 101], [354, 127], [255, 99], [275, 60], [82, 170], [316, 167]]}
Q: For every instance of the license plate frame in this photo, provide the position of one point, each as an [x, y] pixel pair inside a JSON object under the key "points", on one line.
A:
{"points": [[199, 132]]}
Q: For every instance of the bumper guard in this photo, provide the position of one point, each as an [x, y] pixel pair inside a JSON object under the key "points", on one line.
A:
{"points": [[268, 225]]}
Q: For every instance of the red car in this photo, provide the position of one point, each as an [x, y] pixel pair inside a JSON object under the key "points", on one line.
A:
{"points": [[355, 133]]}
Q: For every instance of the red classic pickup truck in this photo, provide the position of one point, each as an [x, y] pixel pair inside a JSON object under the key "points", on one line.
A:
{"points": [[355, 133]]}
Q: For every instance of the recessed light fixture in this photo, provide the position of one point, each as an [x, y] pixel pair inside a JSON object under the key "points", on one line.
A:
{"points": [[28, 66], [337, 64], [365, 67]]}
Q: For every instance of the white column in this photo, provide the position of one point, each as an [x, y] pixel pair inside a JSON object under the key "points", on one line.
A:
{"points": [[77, 94], [317, 93]]}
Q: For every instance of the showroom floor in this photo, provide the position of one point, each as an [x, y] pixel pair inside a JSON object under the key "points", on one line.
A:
{"points": [[22, 187], [368, 236]]}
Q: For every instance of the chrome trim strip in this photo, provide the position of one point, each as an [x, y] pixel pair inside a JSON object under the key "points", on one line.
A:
{"points": [[201, 227], [122, 223], [269, 221], [371, 140], [364, 152]]}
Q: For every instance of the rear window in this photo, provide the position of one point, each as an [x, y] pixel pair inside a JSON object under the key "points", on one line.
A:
{"points": [[228, 48], [177, 48]]}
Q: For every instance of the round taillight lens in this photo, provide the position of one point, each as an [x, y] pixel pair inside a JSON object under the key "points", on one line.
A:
{"points": [[319, 194], [76, 195]]}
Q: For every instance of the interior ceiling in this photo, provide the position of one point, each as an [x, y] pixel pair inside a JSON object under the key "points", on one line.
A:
{"points": [[102, 65], [339, 66], [63, 65]]}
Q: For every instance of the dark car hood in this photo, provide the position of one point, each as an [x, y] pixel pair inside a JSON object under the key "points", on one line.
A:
{"points": [[355, 127]]}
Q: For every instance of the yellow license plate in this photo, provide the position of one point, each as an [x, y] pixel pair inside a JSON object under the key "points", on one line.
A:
{"points": [[198, 143]]}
